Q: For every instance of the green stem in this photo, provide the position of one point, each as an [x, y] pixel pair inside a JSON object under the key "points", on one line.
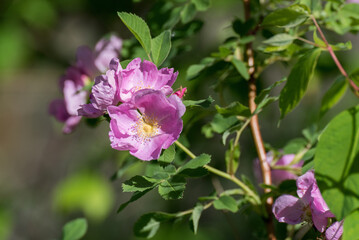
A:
{"points": [[184, 213], [235, 145], [220, 173]]}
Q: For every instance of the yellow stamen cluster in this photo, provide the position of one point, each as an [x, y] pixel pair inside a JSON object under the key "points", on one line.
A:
{"points": [[145, 128], [142, 86]]}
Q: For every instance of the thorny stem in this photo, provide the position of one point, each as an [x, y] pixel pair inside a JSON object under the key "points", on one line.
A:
{"points": [[334, 57], [265, 168], [220, 173]]}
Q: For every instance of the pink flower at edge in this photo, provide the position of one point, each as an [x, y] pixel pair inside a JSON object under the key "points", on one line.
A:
{"points": [[150, 123], [335, 231], [72, 83], [310, 206], [119, 85], [278, 175]]}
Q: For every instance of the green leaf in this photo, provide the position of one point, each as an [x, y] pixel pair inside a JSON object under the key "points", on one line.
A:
{"points": [[226, 202], [337, 163], [75, 229], [139, 183], [139, 29], [160, 47], [270, 49], [201, 5], [317, 40], [234, 109], [173, 18], [333, 95], [194, 70], [135, 196], [294, 145], [147, 225], [197, 162], [188, 13], [297, 81], [172, 188], [265, 92], [241, 68], [265, 102], [220, 124], [205, 103], [280, 39], [168, 155], [342, 46], [285, 17], [351, 226], [196, 214], [350, 10]]}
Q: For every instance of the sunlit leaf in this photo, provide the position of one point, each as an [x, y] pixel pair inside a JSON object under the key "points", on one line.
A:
{"points": [[161, 46], [139, 29]]}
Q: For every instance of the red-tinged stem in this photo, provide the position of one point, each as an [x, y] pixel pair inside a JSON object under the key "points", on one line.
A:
{"points": [[257, 136], [334, 57]]}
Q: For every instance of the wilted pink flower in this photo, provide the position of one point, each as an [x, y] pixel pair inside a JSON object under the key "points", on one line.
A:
{"points": [[87, 65], [278, 175], [309, 207], [335, 231], [119, 85], [180, 93], [150, 123]]}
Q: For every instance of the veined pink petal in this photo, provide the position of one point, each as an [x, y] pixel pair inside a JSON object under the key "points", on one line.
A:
{"points": [[289, 209], [335, 231]]}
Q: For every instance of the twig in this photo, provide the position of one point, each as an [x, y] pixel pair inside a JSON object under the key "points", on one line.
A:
{"points": [[334, 57], [265, 168]]}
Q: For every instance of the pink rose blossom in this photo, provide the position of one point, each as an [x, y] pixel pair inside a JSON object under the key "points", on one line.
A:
{"points": [[278, 175], [150, 123], [119, 85], [87, 65], [309, 207]]}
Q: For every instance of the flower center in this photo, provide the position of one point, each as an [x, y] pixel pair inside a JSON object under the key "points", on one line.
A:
{"points": [[145, 128]]}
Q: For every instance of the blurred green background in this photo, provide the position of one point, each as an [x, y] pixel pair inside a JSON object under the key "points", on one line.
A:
{"points": [[47, 178]]}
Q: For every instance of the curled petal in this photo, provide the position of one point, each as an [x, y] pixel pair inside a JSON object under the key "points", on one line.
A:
{"points": [[289, 209]]}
